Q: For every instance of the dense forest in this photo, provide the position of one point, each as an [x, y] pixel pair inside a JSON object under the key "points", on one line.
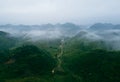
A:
{"points": [[64, 59]]}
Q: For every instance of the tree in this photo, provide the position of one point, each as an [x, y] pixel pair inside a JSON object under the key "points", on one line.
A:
{"points": [[30, 60], [96, 65]]}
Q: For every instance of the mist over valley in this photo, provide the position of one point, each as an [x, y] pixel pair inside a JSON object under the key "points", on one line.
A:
{"points": [[59, 41]]}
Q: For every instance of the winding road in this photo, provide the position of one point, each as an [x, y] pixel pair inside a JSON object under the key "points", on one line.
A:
{"points": [[59, 68]]}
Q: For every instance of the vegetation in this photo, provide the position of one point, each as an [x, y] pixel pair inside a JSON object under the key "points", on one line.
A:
{"points": [[82, 61], [95, 65], [6, 41], [25, 61]]}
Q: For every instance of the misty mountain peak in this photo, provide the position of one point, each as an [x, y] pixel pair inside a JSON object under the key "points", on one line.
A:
{"points": [[102, 26], [68, 25], [3, 33]]}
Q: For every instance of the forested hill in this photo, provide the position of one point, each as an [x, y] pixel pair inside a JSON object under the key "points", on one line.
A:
{"points": [[88, 56]]}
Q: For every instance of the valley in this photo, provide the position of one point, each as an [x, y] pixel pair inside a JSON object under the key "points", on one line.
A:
{"points": [[66, 55]]}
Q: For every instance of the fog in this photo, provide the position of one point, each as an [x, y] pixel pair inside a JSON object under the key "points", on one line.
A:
{"points": [[34, 34], [45, 31], [110, 36], [108, 33]]}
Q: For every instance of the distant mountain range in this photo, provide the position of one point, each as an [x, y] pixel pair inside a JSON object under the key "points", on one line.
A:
{"points": [[106, 31], [98, 32], [42, 27], [67, 29], [104, 26], [65, 26]]}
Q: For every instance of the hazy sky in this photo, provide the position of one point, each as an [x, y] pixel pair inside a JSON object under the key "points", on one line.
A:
{"points": [[59, 11]]}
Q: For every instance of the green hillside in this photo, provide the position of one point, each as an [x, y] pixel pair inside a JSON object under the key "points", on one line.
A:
{"points": [[73, 59]]}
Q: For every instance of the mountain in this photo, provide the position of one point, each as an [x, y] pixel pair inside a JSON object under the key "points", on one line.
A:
{"points": [[6, 40], [3, 33], [101, 26], [107, 33], [104, 26], [69, 29], [42, 31], [117, 26]]}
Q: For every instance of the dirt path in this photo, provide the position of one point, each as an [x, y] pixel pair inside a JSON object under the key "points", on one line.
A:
{"points": [[59, 60]]}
